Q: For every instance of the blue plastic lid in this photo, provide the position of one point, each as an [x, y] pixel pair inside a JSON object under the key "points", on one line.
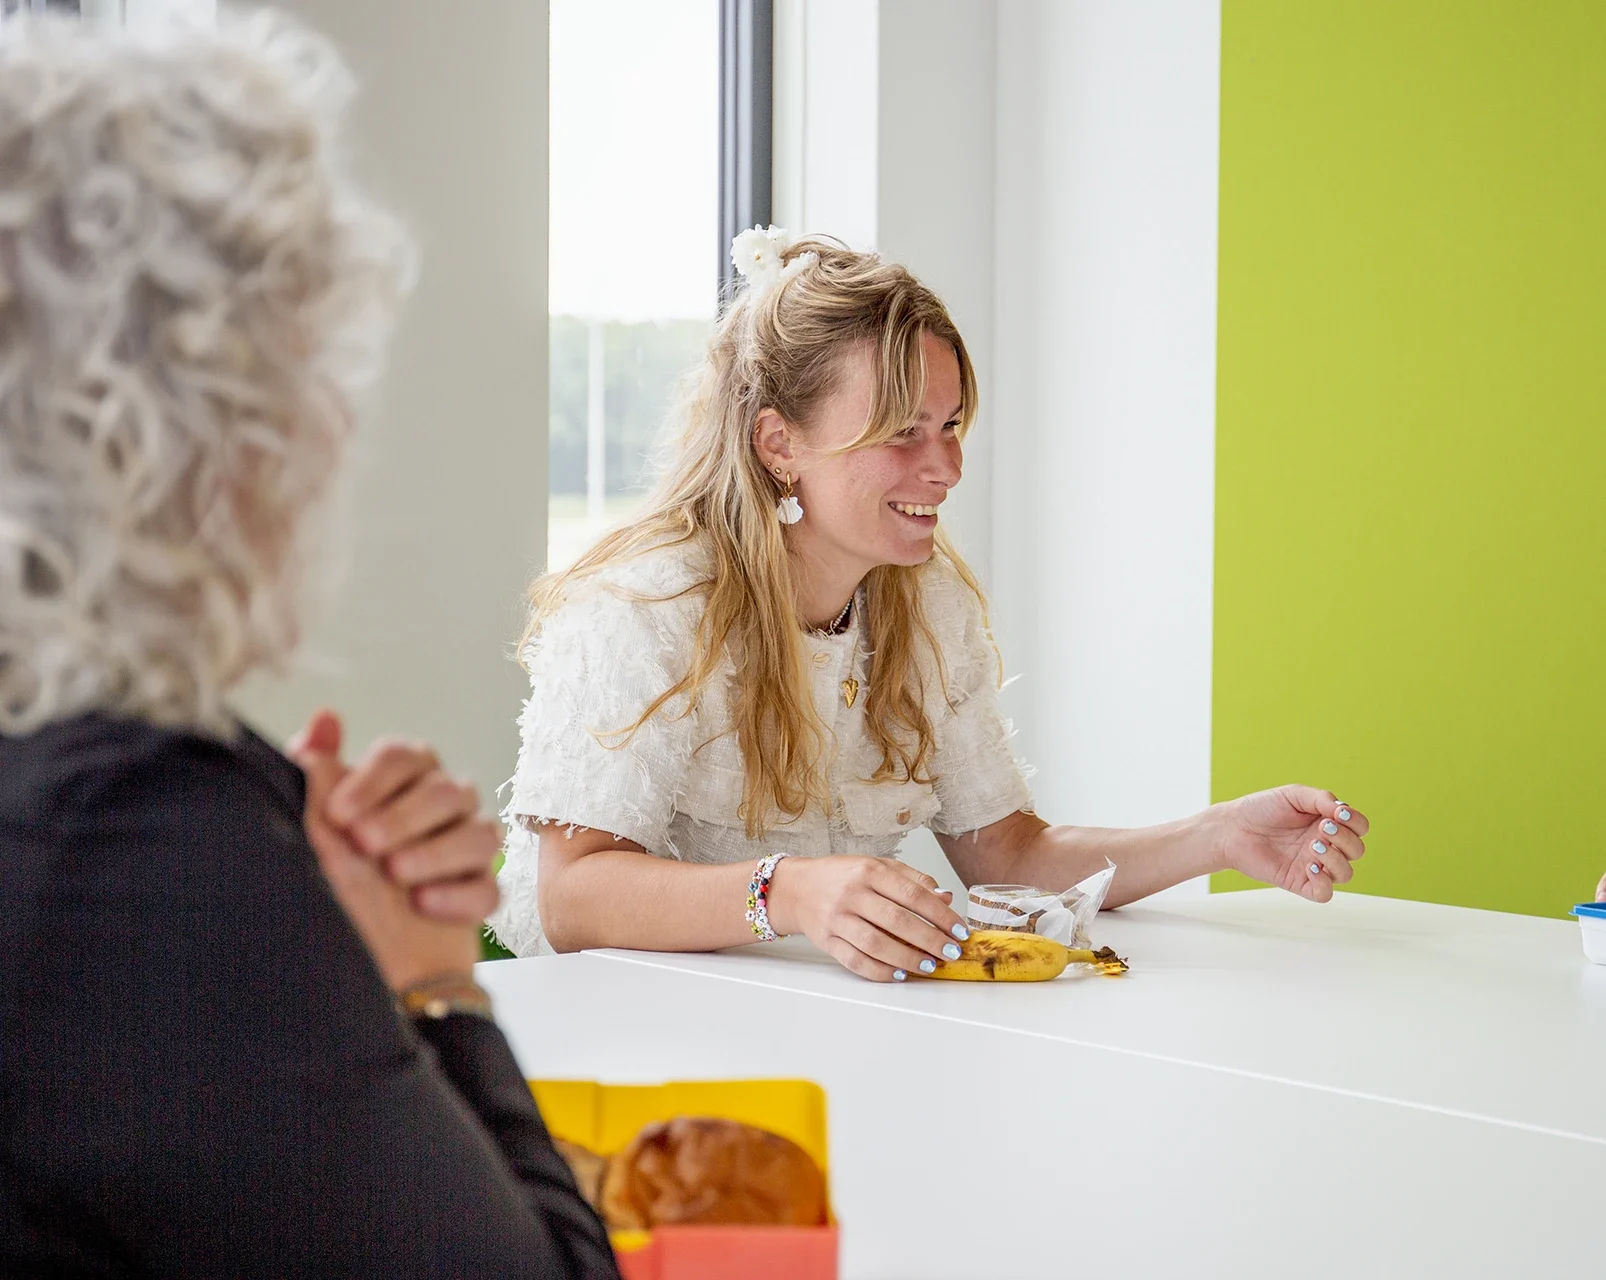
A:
{"points": [[1594, 910]]}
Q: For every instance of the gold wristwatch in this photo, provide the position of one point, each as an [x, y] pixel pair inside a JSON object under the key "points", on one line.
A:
{"points": [[441, 996]]}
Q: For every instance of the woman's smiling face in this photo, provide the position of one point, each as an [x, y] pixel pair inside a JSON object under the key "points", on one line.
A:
{"points": [[878, 505]]}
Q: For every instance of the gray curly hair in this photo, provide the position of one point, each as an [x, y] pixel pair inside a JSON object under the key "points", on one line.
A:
{"points": [[191, 291]]}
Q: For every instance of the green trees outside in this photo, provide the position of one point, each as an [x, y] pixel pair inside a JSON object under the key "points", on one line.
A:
{"points": [[643, 365]]}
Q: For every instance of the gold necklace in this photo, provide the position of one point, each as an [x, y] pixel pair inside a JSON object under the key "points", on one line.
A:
{"points": [[850, 686]]}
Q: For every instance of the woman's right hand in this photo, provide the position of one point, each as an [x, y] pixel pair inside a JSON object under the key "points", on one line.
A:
{"points": [[876, 916]]}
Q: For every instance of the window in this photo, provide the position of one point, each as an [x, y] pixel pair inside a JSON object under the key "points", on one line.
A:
{"points": [[130, 13], [10, 7], [635, 141]]}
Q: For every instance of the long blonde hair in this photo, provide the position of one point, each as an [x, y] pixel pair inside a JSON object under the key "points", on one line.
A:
{"points": [[783, 349]]}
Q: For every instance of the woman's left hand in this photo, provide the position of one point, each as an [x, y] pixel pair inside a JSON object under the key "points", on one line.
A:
{"points": [[1297, 838]]}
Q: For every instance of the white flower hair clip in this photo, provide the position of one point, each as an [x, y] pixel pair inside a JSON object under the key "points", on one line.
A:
{"points": [[758, 258]]}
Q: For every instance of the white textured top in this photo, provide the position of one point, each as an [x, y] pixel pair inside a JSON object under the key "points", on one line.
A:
{"points": [[674, 787]]}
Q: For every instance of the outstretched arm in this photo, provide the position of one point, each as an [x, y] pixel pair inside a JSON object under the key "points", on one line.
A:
{"points": [[1297, 838]]}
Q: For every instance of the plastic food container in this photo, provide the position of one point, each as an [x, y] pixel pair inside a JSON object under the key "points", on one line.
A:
{"points": [[1592, 920], [606, 1117], [1019, 908]]}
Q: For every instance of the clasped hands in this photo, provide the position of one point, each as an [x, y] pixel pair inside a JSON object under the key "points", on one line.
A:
{"points": [[404, 848]]}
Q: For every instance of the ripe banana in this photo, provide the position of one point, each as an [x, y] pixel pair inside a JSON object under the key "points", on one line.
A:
{"points": [[1001, 955]]}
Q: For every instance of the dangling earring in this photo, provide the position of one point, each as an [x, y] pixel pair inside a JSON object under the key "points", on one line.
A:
{"points": [[788, 510]]}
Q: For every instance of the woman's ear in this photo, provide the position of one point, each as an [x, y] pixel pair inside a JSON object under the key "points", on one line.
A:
{"points": [[772, 439]]}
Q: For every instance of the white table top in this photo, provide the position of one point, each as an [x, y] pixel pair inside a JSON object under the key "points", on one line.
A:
{"points": [[1481, 1013], [1277, 1088]]}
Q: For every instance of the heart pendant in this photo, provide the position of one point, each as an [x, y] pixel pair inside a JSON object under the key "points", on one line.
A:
{"points": [[850, 691]]}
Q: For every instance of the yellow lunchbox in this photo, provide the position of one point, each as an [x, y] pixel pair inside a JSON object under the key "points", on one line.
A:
{"points": [[605, 1117]]}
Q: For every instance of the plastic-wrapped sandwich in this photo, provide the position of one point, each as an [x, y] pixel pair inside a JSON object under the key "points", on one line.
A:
{"points": [[1022, 934]]}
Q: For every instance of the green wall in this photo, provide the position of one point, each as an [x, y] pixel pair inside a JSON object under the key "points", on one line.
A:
{"points": [[1411, 486]]}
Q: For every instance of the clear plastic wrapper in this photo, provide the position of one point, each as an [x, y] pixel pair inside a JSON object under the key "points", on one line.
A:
{"points": [[1065, 917]]}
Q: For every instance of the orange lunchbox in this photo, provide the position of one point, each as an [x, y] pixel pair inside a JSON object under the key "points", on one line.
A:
{"points": [[606, 1117]]}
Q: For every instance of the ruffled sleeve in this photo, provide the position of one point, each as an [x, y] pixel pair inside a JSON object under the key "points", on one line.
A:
{"points": [[597, 665], [978, 778], [599, 661]]}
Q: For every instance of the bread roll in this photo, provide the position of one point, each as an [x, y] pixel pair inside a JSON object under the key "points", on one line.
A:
{"points": [[694, 1169]]}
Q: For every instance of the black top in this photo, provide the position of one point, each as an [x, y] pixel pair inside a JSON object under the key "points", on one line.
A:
{"points": [[201, 1070]]}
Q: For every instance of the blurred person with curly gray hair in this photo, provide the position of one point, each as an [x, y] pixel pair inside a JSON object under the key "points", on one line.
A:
{"points": [[206, 1066]]}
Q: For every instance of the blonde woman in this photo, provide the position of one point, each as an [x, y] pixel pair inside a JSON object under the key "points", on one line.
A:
{"points": [[207, 1068], [743, 701]]}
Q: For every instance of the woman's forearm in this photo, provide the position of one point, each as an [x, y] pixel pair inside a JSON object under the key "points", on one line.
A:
{"points": [[1147, 859], [620, 898]]}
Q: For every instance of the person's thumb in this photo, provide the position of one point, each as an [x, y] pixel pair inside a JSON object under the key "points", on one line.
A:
{"points": [[320, 735], [317, 750]]}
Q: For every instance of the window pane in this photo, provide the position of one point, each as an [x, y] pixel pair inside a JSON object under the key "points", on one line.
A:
{"points": [[635, 189]]}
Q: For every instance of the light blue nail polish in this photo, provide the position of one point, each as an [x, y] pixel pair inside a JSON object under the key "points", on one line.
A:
{"points": [[1315, 868], [898, 975], [1343, 815], [959, 931], [951, 950], [1330, 827], [928, 966], [1319, 846]]}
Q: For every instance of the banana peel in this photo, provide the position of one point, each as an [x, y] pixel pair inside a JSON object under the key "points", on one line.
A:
{"points": [[1103, 959], [1003, 955]]}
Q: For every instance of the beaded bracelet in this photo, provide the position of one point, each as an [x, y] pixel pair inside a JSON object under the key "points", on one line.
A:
{"points": [[758, 892]]}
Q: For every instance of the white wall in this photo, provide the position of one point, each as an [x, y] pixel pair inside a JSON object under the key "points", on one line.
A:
{"points": [[1103, 480], [450, 511], [884, 139], [825, 118], [934, 201], [1049, 167]]}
